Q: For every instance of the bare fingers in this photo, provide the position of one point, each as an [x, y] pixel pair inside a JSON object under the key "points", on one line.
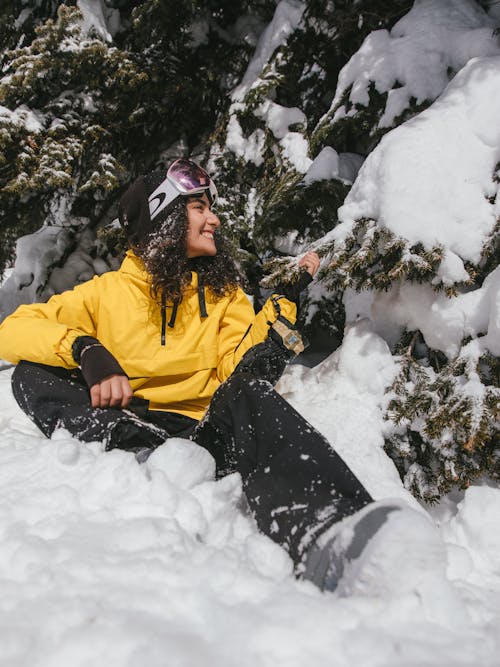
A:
{"points": [[111, 392], [310, 262]]}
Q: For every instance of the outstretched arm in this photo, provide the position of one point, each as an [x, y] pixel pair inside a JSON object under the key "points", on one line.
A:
{"points": [[242, 330]]}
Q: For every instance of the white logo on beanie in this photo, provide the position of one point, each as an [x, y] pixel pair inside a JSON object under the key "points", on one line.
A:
{"points": [[164, 195]]}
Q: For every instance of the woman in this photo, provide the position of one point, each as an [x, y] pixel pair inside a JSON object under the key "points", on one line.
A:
{"points": [[170, 345]]}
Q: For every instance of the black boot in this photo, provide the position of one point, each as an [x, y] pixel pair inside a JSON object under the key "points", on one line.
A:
{"points": [[374, 550]]}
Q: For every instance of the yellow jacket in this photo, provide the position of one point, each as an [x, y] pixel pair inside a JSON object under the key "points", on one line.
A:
{"points": [[180, 374]]}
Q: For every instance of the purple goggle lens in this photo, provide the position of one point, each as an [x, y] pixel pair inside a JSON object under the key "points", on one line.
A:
{"points": [[184, 177], [189, 178]]}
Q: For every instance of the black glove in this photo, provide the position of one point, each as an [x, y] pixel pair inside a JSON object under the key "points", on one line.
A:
{"points": [[96, 362], [292, 290], [266, 360]]}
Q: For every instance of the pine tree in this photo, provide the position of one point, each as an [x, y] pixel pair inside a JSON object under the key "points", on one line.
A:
{"points": [[298, 81], [56, 142], [431, 410]]}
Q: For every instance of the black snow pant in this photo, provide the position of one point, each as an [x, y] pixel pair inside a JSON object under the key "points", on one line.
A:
{"points": [[296, 485]]}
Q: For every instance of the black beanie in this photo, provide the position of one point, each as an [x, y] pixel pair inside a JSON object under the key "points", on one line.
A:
{"points": [[133, 210]]}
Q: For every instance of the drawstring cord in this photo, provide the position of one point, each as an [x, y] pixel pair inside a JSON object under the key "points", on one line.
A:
{"points": [[163, 317], [201, 297], [171, 321], [173, 316]]}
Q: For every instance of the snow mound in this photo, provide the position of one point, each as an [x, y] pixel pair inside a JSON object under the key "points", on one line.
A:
{"points": [[105, 560], [415, 58], [430, 180], [444, 322]]}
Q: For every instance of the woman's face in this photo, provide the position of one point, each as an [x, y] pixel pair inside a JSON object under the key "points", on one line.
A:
{"points": [[202, 223]]}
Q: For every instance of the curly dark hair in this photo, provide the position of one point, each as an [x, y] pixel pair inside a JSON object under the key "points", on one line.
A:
{"points": [[163, 253]]}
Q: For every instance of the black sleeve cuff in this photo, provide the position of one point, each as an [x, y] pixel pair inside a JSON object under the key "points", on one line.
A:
{"points": [[96, 362], [292, 290]]}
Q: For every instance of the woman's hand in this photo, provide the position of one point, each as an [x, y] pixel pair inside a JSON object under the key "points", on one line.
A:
{"points": [[311, 262], [112, 392], [292, 290]]}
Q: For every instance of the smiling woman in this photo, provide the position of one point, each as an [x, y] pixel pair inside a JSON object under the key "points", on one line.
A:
{"points": [[170, 345], [184, 242]]}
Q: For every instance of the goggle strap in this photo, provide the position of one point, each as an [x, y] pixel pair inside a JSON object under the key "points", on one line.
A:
{"points": [[167, 191], [164, 195], [213, 192]]}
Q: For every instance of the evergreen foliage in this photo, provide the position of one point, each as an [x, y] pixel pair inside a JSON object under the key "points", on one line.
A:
{"points": [[61, 160], [373, 257], [86, 115], [446, 416], [359, 130], [300, 74]]}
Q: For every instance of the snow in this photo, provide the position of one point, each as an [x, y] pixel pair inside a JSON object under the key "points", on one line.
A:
{"points": [[443, 321], [295, 150], [277, 118], [426, 186], [249, 148], [289, 244], [329, 164], [94, 17], [286, 18], [36, 274], [22, 17], [106, 560], [22, 116], [433, 38]]}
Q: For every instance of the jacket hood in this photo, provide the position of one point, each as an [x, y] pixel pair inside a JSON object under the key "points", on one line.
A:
{"points": [[134, 266]]}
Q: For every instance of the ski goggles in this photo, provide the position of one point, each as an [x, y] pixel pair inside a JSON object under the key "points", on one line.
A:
{"points": [[184, 177]]}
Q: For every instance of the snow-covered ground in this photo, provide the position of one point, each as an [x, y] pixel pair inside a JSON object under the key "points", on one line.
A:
{"points": [[107, 562]]}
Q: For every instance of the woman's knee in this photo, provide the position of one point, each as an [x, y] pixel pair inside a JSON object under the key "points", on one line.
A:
{"points": [[24, 376], [29, 374], [32, 383], [24, 382], [246, 384]]}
